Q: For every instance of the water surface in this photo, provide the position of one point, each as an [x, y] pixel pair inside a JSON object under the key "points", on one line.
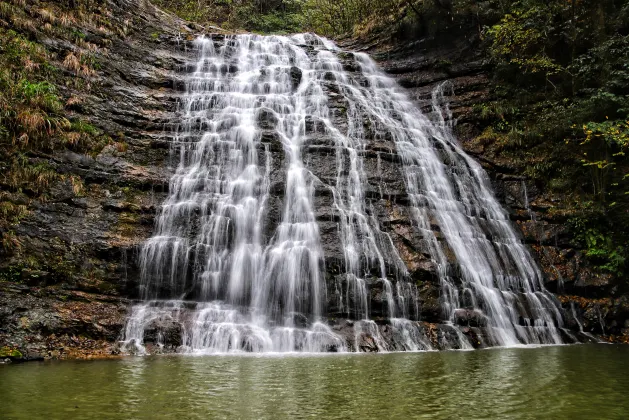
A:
{"points": [[563, 382]]}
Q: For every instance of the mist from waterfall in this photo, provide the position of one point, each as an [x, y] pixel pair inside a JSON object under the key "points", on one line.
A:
{"points": [[233, 279]]}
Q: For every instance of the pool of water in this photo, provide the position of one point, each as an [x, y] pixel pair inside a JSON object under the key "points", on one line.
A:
{"points": [[570, 382]]}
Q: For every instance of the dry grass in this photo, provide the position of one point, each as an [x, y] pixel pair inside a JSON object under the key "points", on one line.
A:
{"points": [[7, 11], [37, 178], [11, 213], [45, 15], [26, 25], [87, 71], [35, 125], [10, 242], [29, 65], [32, 122], [121, 147], [73, 138], [78, 187], [42, 176], [87, 45], [10, 210], [77, 65], [72, 62], [73, 100], [65, 19], [104, 31]]}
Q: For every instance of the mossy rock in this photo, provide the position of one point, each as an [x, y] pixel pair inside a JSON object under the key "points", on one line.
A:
{"points": [[9, 353]]}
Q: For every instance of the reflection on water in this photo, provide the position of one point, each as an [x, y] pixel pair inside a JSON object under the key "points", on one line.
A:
{"points": [[588, 381]]}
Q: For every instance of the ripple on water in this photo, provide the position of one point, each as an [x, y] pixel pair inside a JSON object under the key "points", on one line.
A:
{"points": [[571, 382]]}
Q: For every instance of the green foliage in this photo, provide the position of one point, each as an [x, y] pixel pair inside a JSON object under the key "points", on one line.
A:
{"points": [[565, 63], [31, 111], [608, 135], [336, 17], [561, 83], [83, 127], [602, 75], [9, 242], [395, 19], [275, 22], [10, 352], [39, 94], [12, 273], [12, 212], [519, 39], [594, 236], [612, 133], [325, 17], [267, 16], [30, 108], [330, 17]]}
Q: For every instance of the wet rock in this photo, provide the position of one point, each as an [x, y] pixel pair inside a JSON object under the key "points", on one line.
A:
{"points": [[63, 294], [164, 333], [75, 303], [266, 119], [470, 318], [367, 344], [295, 77]]}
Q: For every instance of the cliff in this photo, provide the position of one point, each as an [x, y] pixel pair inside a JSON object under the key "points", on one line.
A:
{"points": [[71, 268]]}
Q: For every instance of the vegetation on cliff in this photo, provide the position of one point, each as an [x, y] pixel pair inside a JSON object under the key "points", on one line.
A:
{"points": [[253, 15], [562, 104], [39, 91], [51, 59], [326, 17], [78, 80]]}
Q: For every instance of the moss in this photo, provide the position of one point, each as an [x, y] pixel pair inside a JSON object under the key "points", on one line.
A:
{"points": [[83, 127], [444, 65], [9, 352], [127, 225], [12, 273], [63, 268]]}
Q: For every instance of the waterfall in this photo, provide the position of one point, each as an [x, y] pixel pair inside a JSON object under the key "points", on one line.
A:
{"points": [[232, 268], [501, 282]]}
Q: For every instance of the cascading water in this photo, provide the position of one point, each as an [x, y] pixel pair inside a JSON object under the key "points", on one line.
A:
{"points": [[502, 286], [225, 277], [208, 245]]}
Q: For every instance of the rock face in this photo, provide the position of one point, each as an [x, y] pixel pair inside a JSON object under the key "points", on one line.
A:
{"points": [[84, 246], [407, 272], [75, 304]]}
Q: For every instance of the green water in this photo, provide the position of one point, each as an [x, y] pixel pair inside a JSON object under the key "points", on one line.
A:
{"points": [[568, 382]]}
